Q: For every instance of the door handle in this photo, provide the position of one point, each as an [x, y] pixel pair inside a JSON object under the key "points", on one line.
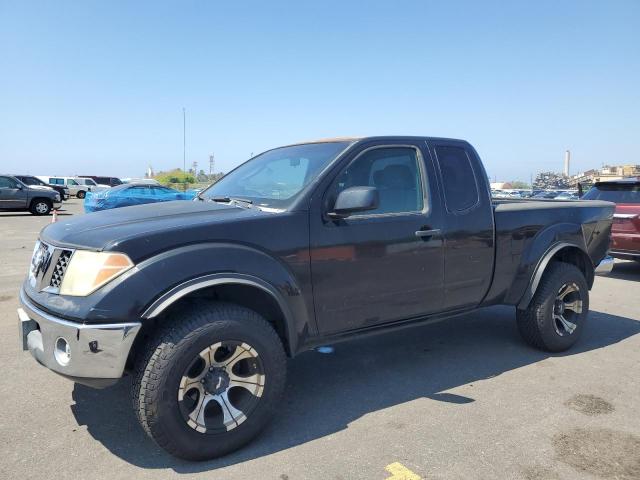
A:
{"points": [[427, 233]]}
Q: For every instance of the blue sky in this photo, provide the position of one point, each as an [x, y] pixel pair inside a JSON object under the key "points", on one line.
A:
{"points": [[98, 87]]}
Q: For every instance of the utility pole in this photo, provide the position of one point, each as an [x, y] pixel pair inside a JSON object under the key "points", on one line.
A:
{"points": [[211, 161], [184, 140]]}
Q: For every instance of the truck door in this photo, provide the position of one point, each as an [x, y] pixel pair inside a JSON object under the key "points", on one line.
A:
{"points": [[469, 228], [381, 265], [11, 194]]}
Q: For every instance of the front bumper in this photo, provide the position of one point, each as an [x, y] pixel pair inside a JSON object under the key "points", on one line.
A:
{"points": [[94, 354]]}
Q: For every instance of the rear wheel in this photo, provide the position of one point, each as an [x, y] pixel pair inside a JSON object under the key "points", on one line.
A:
{"points": [[40, 206], [209, 381], [558, 311], [80, 194]]}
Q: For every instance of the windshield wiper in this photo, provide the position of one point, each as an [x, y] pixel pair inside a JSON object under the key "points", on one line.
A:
{"points": [[231, 199]]}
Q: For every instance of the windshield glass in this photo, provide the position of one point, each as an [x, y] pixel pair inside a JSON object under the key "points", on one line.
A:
{"points": [[274, 178], [617, 193], [31, 181]]}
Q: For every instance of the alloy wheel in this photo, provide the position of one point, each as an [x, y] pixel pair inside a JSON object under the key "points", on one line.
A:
{"points": [[221, 387], [567, 308]]}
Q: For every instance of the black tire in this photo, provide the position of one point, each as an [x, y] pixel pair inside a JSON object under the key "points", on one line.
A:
{"points": [[40, 206], [80, 194], [165, 358], [538, 325]]}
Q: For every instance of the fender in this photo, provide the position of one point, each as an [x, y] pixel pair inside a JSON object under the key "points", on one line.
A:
{"points": [[158, 281], [185, 288], [540, 269], [534, 255]]}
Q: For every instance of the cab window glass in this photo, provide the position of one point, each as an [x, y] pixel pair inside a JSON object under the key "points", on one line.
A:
{"points": [[6, 182], [393, 171], [458, 178]]}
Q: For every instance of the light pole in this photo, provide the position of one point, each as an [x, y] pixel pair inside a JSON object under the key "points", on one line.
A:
{"points": [[184, 140]]}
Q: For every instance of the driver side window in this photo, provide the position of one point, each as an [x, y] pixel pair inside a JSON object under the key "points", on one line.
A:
{"points": [[6, 182], [393, 171]]}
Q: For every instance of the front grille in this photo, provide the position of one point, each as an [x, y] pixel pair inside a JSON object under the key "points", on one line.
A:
{"points": [[60, 268]]}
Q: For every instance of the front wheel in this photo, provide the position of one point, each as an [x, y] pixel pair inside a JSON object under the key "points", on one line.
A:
{"points": [[81, 194], [558, 311], [209, 381], [40, 206]]}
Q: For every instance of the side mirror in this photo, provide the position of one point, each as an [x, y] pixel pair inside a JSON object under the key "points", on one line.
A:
{"points": [[18, 186], [353, 200]]}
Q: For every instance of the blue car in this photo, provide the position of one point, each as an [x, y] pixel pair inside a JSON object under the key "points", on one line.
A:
{"points": [[132, 194]]}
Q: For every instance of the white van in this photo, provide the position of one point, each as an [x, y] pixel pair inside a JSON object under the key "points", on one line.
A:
{"points": [[95, 187], [77, 186]]}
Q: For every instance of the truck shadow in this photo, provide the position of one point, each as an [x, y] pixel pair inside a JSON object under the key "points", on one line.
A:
{"points": [[626, 271], [326, 392]]}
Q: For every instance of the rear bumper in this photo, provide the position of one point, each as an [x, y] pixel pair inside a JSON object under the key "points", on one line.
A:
{"points": [[625, 254], [625, 241], [94, 355], [605, 266]]}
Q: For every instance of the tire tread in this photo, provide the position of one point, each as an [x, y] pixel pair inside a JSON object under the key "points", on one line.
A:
{"points": [[157, 353], [532, 320]]}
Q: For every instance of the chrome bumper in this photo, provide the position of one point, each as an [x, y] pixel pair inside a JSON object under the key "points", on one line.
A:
{"points": [[605, 266], [94, 354]]}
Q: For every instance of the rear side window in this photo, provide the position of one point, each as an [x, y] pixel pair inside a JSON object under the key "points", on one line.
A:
{"points": [[458, 178], [617, 193]]}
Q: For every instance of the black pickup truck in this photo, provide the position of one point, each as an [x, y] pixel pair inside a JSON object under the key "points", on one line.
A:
{"points": [[301, 246]]}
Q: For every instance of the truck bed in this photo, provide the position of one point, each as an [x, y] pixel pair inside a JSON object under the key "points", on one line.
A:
{"points": [[520, 223]]}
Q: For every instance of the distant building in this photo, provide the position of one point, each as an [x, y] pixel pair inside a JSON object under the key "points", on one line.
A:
{"points": [[500, 185], [607, 172]]}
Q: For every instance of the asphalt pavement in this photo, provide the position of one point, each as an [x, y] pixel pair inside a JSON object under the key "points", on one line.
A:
{"points": [[461, 399]]}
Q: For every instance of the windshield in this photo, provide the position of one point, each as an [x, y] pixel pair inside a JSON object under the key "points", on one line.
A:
{"points": [[31, 181], [87, 181], [274, 178], [615, 192]]}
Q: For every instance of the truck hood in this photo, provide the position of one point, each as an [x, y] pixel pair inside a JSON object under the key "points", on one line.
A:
{"points": [[39, 188], [154, 225]]}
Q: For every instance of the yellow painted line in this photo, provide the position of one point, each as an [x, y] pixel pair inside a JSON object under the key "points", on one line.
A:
{"points": [[400, 472]]}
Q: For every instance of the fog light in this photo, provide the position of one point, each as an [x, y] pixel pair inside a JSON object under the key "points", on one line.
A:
{"points": [[62, 352]]}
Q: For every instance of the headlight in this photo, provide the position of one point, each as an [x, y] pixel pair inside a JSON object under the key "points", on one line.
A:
{"points": [[88, 271]]}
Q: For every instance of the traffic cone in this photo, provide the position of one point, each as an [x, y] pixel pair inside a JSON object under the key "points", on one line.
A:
{"points": [[55, 216]]}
